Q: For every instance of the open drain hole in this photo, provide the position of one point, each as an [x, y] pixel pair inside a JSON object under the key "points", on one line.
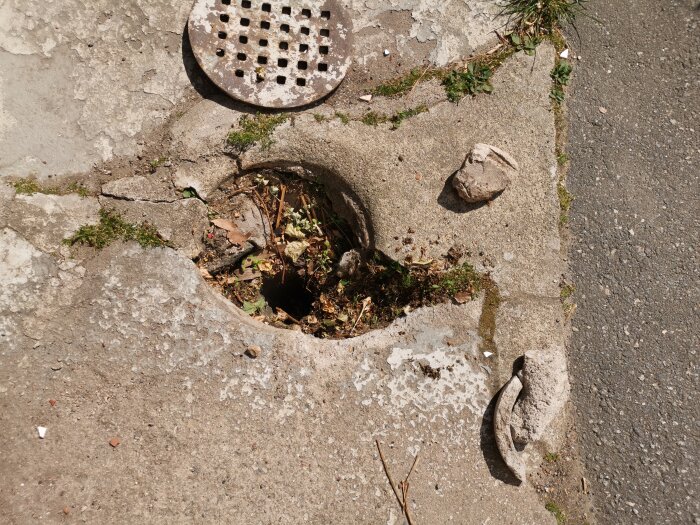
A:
{"points": [[289, 294], [278, 250]]}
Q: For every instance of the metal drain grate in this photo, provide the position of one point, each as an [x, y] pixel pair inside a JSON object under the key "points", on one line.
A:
{"points": [[276, 54]]}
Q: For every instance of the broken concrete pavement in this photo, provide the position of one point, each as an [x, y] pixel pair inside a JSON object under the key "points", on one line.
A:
{"points": [[133, 344]]}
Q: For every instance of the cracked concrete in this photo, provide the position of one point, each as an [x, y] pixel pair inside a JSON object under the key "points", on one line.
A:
{"points": [[134, 344]]}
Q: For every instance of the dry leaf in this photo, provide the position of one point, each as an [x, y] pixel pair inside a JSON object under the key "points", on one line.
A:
{"points": [[326, 304], [205, 273], [463, 297], [237, 237], [265, 266], [224, 224]]}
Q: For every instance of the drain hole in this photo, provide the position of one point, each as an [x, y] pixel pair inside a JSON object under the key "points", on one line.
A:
{"points": [[284, 28], [282, 62], [326, 15], [286, 10], [226, 2], [245, 22], [224, 18], [222, 35], [239, 73], [322, 66], [241, 56], [281, 80], [263, 43], [265, 24], [323, 50], [306, 13], [267, 8], [284, 45], [301, 82], [220, 52], [325, 32], [281, 253], [246, 4], [305, 31], [303, 48], [290, 295], [303, 64], [243, 39], [262, 60]]}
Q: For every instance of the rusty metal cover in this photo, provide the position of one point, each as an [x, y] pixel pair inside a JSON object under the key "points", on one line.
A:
{"points": [[272, 53]]}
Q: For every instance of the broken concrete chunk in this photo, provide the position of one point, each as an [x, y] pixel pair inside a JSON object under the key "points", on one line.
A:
{"points": [[251, 220], [295, 249], [484, 174], [545, 391], [139, 188], [502, 427]]}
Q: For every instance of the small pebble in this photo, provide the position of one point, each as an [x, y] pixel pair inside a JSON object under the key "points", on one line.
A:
{"points": [[114, 442], [387, 52], [41, 431], [253, 351], [602, 110]]}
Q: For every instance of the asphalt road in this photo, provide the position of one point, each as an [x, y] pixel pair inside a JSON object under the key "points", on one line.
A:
{"points": [[634, 144]]}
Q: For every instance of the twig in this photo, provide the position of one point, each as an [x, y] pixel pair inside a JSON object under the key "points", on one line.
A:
{"points": [[273, 241], [388, 474], [403, 485], [419, 79], [281, 208], [365, 303]]}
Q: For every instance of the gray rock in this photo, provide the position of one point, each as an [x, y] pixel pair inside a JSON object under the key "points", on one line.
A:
{"points": [[484, 174], [349, 263], [545, 391], [502, 427]]}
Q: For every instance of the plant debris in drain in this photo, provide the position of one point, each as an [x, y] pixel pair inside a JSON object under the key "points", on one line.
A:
{"points": [[277, 250]]}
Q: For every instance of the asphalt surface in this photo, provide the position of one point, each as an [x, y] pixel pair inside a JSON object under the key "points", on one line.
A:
{"points": [[634, 143]]}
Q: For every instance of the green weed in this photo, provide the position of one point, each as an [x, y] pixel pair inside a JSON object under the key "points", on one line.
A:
{"points": [[373, 118], [26, 187], [524, 43], [112, 228], [551, 457], [475, 79], [344, 117], [399, 117], [461, 278], [255, 129], [561, 73], [319, 117]]}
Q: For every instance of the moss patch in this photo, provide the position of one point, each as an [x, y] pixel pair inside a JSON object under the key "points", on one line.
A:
{"points": [[565, 201], [556, 510], [253, 130], [112, 228]]}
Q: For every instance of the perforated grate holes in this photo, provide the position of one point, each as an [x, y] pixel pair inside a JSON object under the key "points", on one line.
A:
{"points": [[271, 53]]}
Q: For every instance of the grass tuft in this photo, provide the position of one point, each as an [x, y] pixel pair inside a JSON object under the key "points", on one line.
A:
{"points": [[255, 129], [112, 228], [539, 17], [475, 79]]}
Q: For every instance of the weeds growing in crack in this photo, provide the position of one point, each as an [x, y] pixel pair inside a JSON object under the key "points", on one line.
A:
{"points": [[540, 17], [253, 130], [112, 228], [31, 186]]}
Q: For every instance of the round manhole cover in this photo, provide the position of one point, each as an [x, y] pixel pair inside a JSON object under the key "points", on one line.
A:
{"points": [[275, 54]]}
